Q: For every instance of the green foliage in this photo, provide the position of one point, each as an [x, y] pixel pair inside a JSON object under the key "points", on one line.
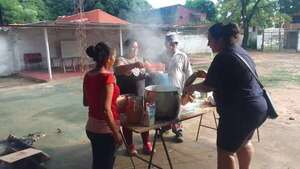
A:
{"points": [[259, 13], [268, 14], [205, 6], [17, 11], [265, 14], [229, 11], [59, 8], [26, 11], [126, 9], [11, 10], [35, 7], [289, 6]]}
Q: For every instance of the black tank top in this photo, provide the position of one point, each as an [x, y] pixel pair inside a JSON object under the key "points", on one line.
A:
{"points": [[131, 84]]}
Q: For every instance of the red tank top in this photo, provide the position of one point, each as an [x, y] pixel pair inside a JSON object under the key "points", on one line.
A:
{"points": [[94, 86]]}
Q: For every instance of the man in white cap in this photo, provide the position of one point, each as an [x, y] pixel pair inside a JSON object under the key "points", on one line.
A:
{"points": [[179, 69]]}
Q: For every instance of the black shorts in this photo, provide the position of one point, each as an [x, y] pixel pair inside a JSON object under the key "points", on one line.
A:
{"points": [[237, 125], [230, 138]]}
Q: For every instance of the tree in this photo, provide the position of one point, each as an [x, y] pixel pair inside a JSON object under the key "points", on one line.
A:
{"points": [[59, 8], [289, 6], [126, 9], [1, 16], [37, 7], [205, 6], [20, 11], [24, 11], [27, 11], [13, 12], [251, 13]]}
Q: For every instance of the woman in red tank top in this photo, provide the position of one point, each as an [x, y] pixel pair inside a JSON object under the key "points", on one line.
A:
{"points": [[100, 93]]}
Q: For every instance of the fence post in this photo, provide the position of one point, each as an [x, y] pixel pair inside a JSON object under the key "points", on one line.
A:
{"points": [[298, 42], [263, 40], [280, 45]]}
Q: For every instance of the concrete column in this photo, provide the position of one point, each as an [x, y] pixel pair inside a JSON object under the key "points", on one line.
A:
{"points": [[48, 53], [121, 42]]}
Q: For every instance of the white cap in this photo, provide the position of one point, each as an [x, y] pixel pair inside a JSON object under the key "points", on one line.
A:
{"points": [[171, 37]]}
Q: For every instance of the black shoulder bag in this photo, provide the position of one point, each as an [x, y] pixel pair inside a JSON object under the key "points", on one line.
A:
{"points": [[272, 113]]}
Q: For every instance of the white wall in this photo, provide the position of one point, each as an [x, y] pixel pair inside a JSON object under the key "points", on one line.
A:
{"points": [[152, 42], [32, 40], [259, 42], [21, 41], [16, 43], [29, 40], [298, 48], [111, 37], [6, 55], [56, 36], [194, 43]]}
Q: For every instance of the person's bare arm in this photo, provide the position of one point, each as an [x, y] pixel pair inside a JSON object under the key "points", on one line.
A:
{"points": [[201, 87], [85, 103], [109, 115], [194, 76], [124, 69]]}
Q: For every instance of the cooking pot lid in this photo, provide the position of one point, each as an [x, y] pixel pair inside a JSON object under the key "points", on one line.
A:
{"points": [[162, 88]]}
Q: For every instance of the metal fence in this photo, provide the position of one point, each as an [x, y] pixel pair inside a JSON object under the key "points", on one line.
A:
{"points": [[278, 39]]}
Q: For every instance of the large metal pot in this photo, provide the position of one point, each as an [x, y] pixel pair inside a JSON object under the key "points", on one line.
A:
{"points": [[166, 99]]}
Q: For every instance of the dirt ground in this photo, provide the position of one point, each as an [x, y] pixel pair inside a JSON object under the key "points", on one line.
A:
{"points": [[58, 105]]}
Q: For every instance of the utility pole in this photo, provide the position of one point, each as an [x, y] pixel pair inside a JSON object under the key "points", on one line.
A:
{"points": [[78, 6], [81, 34]]}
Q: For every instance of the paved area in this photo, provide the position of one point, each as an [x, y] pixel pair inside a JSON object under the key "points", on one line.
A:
{"points": [[57, 105]]}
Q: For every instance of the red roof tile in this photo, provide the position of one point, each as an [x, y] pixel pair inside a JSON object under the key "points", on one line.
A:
{"points": [[94, 16]]}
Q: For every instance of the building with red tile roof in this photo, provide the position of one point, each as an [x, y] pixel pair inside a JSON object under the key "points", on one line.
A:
{"points": [[96, 16]]}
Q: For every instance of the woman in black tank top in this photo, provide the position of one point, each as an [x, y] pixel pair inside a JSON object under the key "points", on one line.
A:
{"points": [[131, 80], [239, 100]]}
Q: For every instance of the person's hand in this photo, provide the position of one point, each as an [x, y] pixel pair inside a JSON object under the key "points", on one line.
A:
{"points": [[189, 90], [187, 98], [118, 139], [200, 73], [138, 65], [191, 98]]}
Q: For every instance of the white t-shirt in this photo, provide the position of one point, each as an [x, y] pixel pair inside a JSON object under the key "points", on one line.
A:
{"points": [[178, 68]]}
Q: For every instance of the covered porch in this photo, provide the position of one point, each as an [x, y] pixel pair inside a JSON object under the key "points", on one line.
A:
{"points": [[54, 50]]}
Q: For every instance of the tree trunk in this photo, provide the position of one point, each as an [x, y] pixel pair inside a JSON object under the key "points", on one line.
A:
{"points": [[1, 18], [247, 18], [246, 34]]}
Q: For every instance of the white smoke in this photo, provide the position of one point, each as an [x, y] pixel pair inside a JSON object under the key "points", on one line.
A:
{"points": [[152, 39]]}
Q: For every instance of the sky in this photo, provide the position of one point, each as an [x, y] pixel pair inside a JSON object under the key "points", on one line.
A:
{"points": [[163, 3]]}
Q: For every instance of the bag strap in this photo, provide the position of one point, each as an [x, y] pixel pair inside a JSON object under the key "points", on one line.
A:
{"points": [[245, 63]]}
